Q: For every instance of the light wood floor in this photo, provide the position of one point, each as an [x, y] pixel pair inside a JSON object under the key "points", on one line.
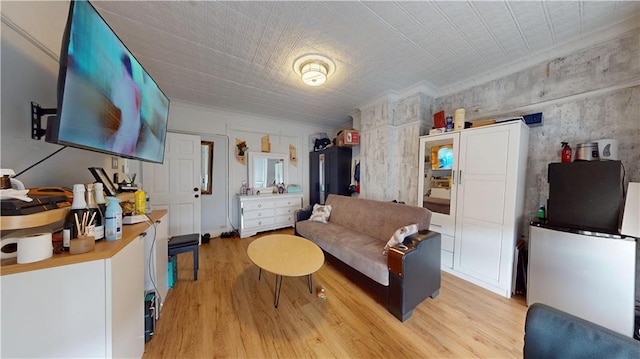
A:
{"points": [[228, 313]]}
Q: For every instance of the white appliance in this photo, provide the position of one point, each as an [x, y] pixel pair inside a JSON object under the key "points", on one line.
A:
{"points": [[589, 276], [608, 149]]}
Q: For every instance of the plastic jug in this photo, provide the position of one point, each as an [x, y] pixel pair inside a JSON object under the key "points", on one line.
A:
{"points": [[140, 199], [113, 220]]}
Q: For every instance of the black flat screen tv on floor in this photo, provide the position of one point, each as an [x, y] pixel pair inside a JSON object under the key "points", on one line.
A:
{"points": [[107, 102]]}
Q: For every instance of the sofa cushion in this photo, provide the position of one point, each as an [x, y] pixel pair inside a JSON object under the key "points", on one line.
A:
{"points": [[356, 249], [320, 213], [375, 218]]}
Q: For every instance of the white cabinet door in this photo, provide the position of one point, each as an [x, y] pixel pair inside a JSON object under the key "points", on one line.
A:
{"points": [[54, 313], [437, 184], [125, 309], [487, 212], [438, 187]]}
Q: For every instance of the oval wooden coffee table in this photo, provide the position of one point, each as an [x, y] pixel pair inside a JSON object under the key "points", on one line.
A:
{"points": [[286, 255]]}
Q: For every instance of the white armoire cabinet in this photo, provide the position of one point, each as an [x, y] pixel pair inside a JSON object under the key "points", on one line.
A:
{"points": [[473, 182]]}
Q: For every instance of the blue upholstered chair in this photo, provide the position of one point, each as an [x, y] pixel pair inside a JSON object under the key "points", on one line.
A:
{"points": [[551, 333]]}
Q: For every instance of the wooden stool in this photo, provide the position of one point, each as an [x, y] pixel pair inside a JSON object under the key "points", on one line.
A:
{"points": [[182, 244]]}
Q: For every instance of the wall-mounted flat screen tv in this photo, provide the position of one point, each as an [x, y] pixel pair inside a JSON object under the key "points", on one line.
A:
{"points": [[107, 102]]}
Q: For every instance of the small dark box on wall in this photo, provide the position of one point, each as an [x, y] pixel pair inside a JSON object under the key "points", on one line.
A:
{"points": [[534, 119]]}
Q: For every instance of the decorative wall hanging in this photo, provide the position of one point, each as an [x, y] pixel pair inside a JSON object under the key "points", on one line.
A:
{"points": [[293, 156], [266, 145], [241, 151]]}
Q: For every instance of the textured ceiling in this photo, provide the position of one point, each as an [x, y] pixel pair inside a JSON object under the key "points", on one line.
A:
{"points": [[239, 55]]}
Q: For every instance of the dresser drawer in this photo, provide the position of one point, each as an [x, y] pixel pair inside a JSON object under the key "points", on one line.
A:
{"points": [[263, 213], [446, 242], [286, 210], [446, 259], [288, 202], [285, 219], [259, 222], [442, 225], [251, 205]]}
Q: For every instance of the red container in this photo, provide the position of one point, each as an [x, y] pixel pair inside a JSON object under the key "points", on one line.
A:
{"points": [[566, 153]]}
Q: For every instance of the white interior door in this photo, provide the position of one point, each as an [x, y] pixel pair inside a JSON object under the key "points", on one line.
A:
{"points": [[175, 184]]}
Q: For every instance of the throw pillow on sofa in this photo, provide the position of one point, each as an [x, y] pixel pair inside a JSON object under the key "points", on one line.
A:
{"points": [[320, 213], [398, 236]]}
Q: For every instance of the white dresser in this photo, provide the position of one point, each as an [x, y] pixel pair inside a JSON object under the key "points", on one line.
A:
{"points": [[266, 212]]}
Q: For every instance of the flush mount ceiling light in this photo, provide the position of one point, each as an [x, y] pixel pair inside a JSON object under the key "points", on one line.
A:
{"points": [[314, 69]]}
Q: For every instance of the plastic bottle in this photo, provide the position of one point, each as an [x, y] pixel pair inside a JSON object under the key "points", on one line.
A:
{"points": [[147, 205], [458, 119], [96, 226], [141, 199], [566, 152], [73, 221], [102, 203], [541, 213], [449, 123], [113, 220]]}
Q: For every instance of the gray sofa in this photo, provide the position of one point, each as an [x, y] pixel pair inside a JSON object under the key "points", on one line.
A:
{"points": [[355, 236]]}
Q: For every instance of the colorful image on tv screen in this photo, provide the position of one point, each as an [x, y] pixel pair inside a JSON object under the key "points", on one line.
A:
{"points": [[109, 103], [445, 157]]}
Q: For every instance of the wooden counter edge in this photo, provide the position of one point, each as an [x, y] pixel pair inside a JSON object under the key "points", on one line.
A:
{"points": [[104, 249]]}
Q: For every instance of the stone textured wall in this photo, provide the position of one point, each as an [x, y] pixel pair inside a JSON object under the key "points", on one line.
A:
{"points": [[588, 95], [389, 141], [610, 64]]}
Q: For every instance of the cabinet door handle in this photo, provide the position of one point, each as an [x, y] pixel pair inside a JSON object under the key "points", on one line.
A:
{"points": [[453, 177], [460, 177], [436, 225], [259, 214], [259, 205]]}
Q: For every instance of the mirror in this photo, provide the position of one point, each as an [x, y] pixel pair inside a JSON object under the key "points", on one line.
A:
{"points": [[267, 169], [206, 167]]}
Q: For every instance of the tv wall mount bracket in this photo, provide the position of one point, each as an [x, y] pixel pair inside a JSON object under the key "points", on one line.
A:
{"points": [[36, 120]]}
